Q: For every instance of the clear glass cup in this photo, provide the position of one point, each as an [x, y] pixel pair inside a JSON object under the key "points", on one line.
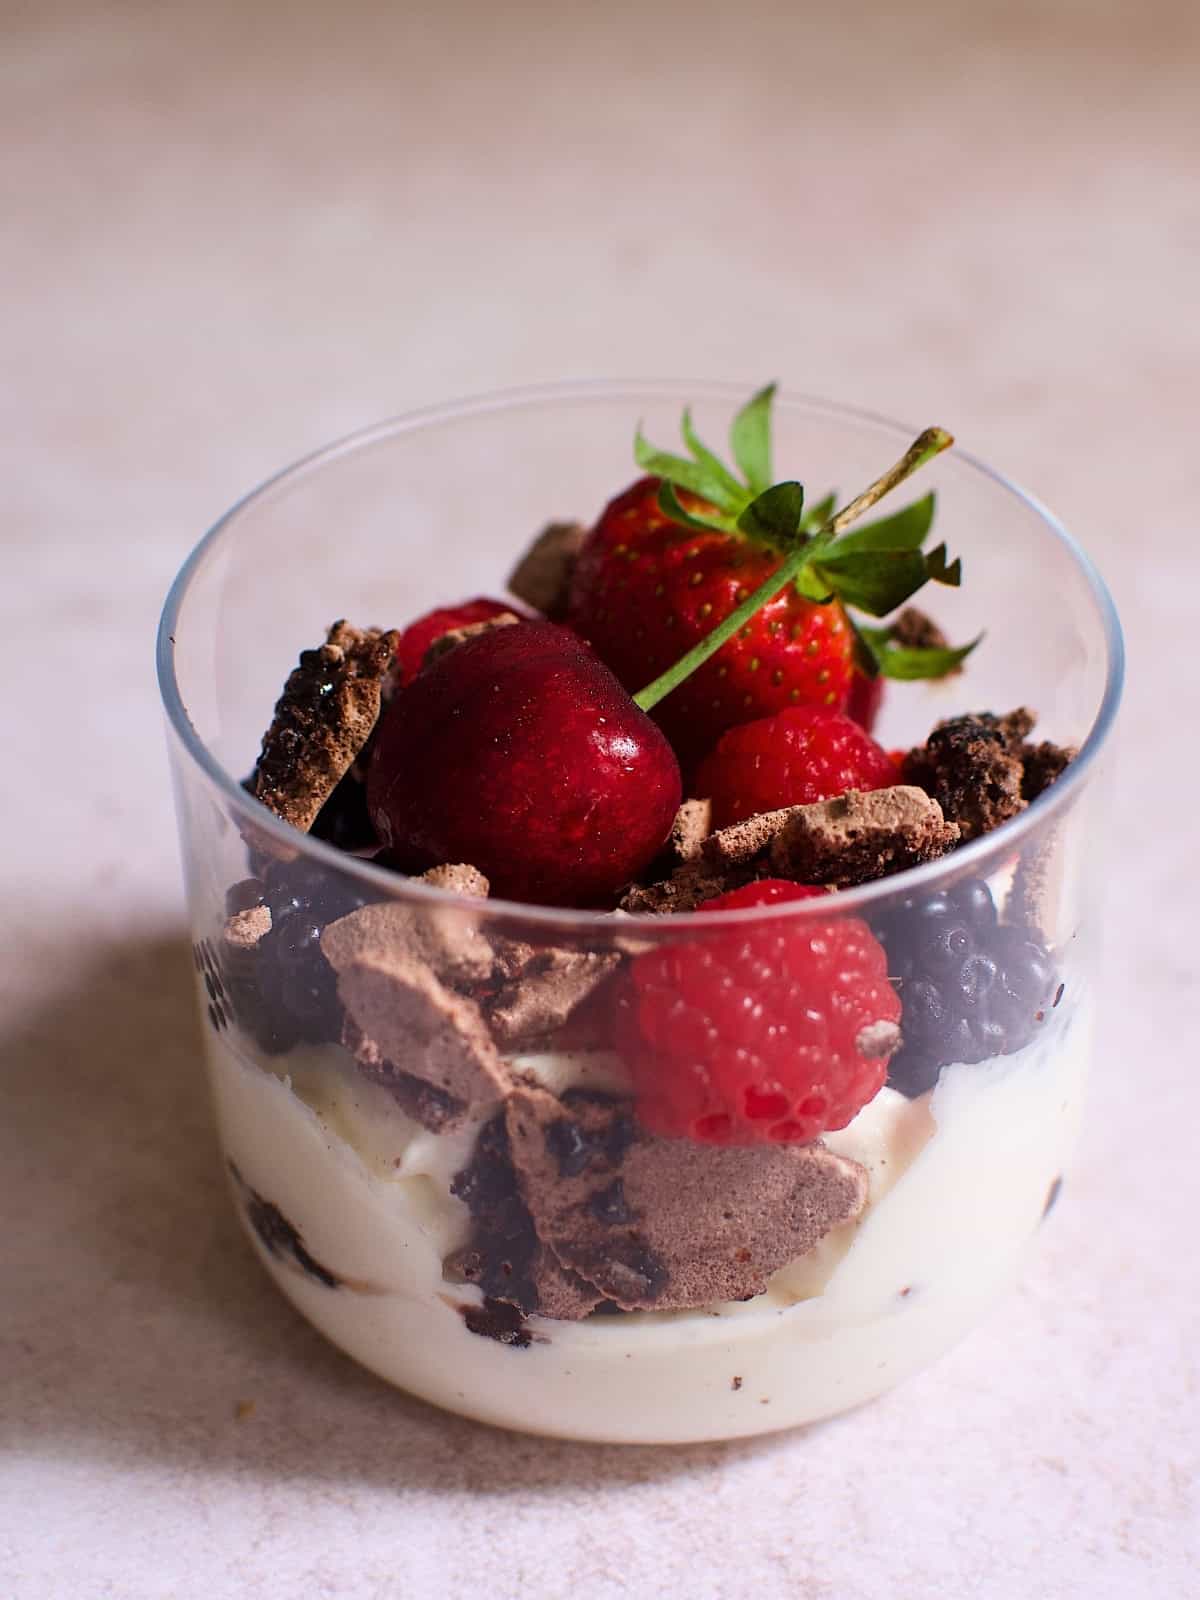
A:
{"points": [[472, 1246]]}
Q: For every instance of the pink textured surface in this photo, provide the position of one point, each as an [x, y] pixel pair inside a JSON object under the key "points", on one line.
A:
{"points": [[232, 232]]}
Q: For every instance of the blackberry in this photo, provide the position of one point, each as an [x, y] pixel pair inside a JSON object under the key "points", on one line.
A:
{"points": [[285, 993], [344, 821], [971, 987]]}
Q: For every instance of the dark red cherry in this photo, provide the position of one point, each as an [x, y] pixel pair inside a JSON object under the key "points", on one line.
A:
{"points": [[520, 753]]}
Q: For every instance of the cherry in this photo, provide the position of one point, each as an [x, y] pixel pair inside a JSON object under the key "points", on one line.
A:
{"points": [[520, 753]]}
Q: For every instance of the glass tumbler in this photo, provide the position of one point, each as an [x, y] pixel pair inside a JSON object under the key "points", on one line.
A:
{"points": [[425, 1099]]}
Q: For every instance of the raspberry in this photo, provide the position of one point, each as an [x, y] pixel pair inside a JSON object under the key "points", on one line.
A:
{"points": [[419, 635], [755, 1035], [798, 756]]}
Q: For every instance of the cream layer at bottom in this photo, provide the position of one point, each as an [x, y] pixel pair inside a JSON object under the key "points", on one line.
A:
{"points": [[959, 1180]]}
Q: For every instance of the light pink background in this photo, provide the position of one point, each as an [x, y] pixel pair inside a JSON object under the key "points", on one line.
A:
{"points": [[233, 231]]}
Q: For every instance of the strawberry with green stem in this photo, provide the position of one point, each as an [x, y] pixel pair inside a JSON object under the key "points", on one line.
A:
{"points": [[693, 546]]}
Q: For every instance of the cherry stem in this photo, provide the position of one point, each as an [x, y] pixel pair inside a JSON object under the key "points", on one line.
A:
{"points": [[923, 448]]}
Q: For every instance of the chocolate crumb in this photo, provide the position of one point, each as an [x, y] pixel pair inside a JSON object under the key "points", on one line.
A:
{"points": [[686, 889], [245, 930], [858, 837], [279, 1237], [973, 767], [458, 878], [692, 825], [323, 719], [542, 577], [735, 1384], [914, 630], [496, 1319], [878, 1039], [1042, 764]]}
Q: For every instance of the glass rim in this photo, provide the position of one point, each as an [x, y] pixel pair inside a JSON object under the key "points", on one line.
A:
{"points": [[858, 898]]}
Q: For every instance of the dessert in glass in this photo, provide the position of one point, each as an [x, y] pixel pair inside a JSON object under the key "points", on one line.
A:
{"points": [[647, 973]]}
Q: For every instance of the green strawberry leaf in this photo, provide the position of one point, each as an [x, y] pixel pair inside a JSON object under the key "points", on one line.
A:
{"points": [[907, 663], [941, 572], [693, 475], [712, 463], [865, 658], [819, 514], [813, 587], [876, 581], [750, 439], [906, 530], [774, 516], [670, 504]]}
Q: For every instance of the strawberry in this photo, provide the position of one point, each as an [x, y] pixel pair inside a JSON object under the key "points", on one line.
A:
{"points": [[865, 699], [691, 550], [645, 589], [419, 635], [773, 1032], [799, 756]]}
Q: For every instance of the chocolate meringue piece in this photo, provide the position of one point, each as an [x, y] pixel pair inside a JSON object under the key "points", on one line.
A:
{"points": [[668, 1224], [404, 1014], [546, 991], [323, 719], [504, 1257], [542, 577], [432, 1108], [858, 837], [448, 939]]}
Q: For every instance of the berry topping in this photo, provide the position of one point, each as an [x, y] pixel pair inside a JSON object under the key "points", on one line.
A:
{"points": [[282, 989], [646, 589], [971, 987], [692, 551], [520, 752], [419, 635], [795, 758], [865, 699], [772, 1033]]}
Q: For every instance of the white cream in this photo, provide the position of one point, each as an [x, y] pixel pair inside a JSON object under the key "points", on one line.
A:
{"points": [[958, 1182]]}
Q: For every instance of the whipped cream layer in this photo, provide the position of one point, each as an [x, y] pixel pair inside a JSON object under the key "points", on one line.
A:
{"points": [[958, 1183]]}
